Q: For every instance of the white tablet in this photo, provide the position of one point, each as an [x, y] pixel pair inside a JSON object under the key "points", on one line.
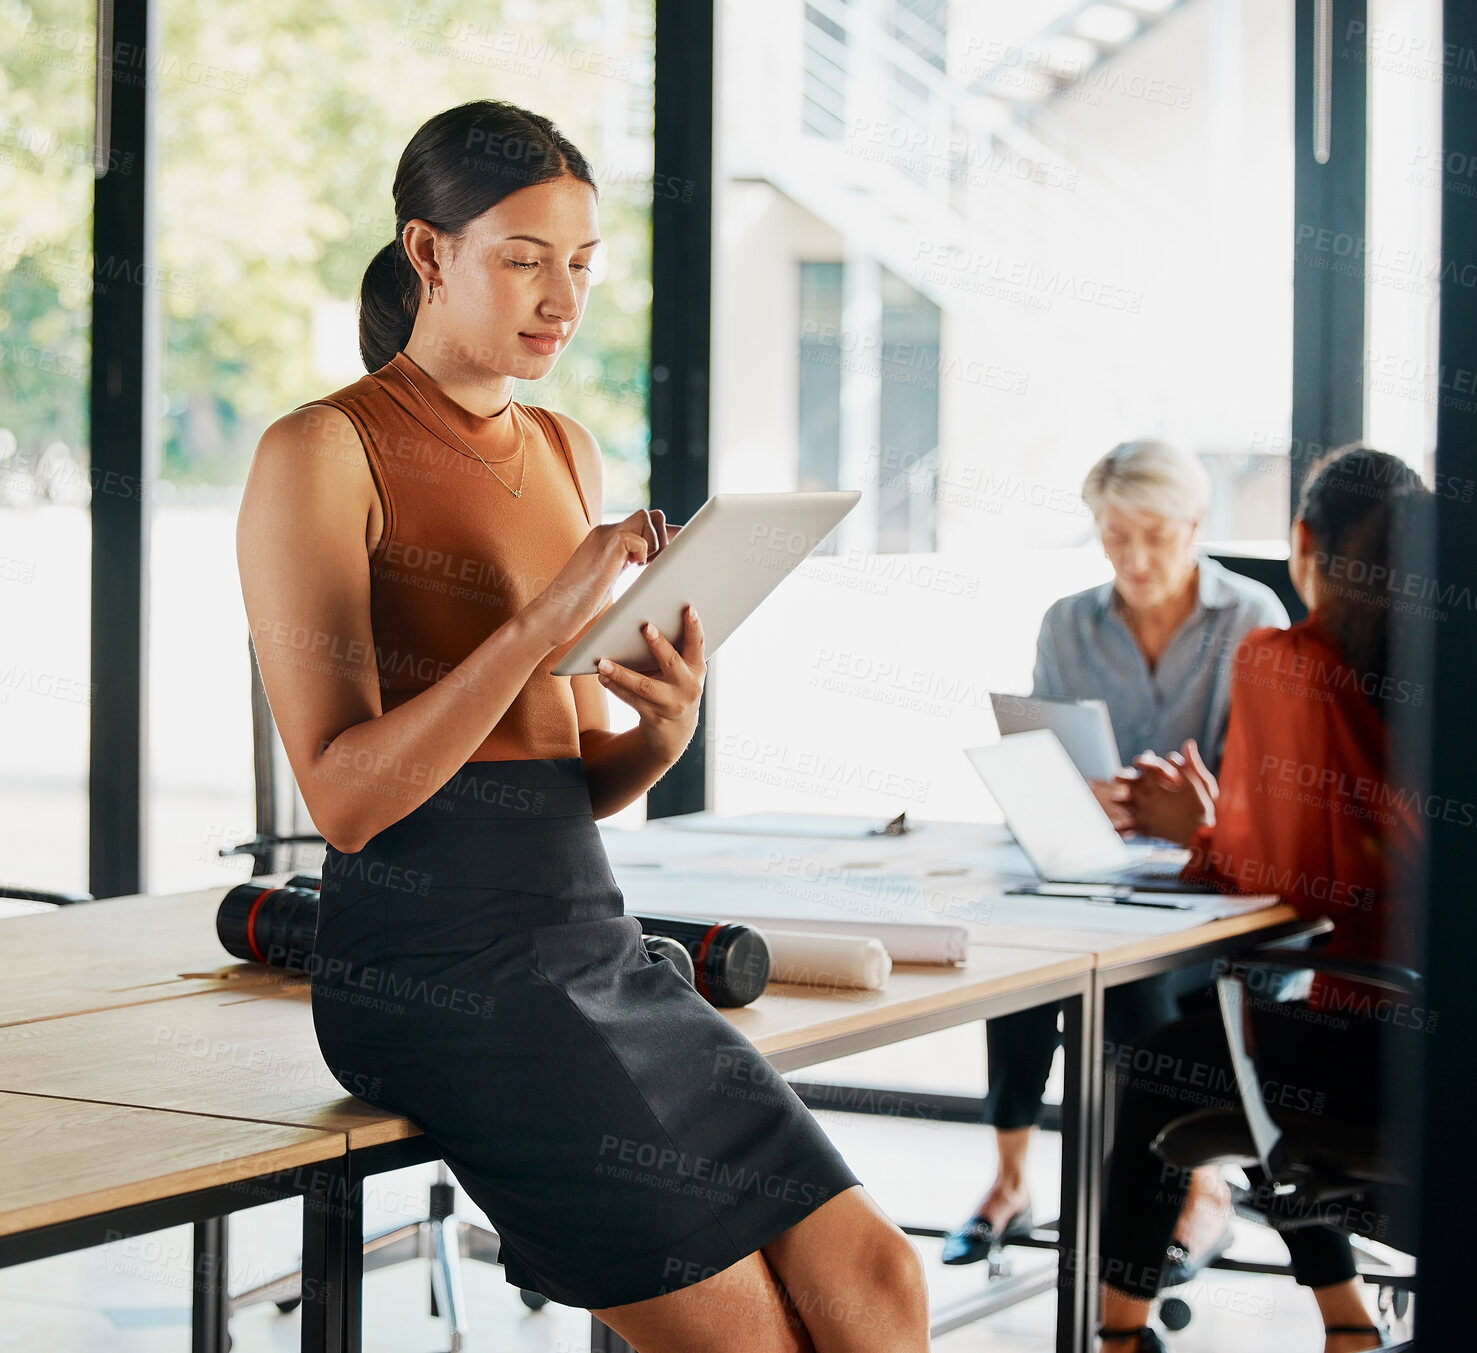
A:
{"points": [[735, 550], [1082, 726]]}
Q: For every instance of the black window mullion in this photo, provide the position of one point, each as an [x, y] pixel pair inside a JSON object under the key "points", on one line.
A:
{"points": [[124, 303], [1329, 236], [681, 309], [1449, 1102]]}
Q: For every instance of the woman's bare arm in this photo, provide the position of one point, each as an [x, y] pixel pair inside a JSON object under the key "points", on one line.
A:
{"points": [[304, 564]]}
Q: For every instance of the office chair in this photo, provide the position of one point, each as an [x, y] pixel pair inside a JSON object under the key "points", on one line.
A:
{"points": [[441, 1235], [1306, 1170], [1270, 572]]}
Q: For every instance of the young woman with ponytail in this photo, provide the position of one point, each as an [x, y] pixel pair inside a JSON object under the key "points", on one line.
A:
{"points": [[417, 550]]}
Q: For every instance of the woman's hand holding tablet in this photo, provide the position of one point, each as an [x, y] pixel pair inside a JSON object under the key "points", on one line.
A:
{"points": [[668, 700], [736, 549]]}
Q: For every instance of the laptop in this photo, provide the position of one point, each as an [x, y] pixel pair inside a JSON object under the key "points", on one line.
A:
{"points": [[1058, 824]]}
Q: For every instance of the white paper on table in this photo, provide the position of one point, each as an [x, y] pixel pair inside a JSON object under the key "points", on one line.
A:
{"points": [[21, 906], [778, 824], [857, 962], [644, 849], [918, 854], [901, 921], [1075, 913]]}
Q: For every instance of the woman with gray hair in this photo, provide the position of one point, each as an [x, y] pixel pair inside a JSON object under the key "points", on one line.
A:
{"points": [[1156, 645]]}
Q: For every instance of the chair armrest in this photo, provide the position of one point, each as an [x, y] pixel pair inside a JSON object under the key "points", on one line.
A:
{"points": [[264, 846], [1376, 972], [266, 842], [42, 895], [1266, 1136]]}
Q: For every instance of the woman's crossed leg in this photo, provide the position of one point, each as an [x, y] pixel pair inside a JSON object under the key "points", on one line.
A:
{"points": [[843, 1280]]}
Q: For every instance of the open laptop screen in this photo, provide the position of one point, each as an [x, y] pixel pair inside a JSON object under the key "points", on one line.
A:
{"points": [[1048, 806]]}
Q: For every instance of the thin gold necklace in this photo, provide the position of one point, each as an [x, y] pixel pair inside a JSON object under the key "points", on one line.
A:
{"points": [[522, 442]]}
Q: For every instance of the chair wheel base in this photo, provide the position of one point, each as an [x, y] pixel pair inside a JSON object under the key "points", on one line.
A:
{"points": [[1175, 1313], [1394, 1302]]}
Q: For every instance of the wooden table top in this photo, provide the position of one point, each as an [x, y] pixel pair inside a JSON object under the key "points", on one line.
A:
{"points": [[1109, 948], [117, 952], [787, 1017], [138, 1060], [249, 1055], [68, 1158], [254, 1056], [957, 873], [132, 1002]]}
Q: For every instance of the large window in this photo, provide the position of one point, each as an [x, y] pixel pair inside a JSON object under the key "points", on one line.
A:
{"points": [[279, 131], [980, 220], [1404, 383], [46, 279]]}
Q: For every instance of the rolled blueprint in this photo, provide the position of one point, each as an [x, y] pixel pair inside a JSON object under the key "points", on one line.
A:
{"points": [[850, 961]]}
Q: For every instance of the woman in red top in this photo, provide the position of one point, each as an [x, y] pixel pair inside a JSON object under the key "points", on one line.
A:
{"points": [[1304, 808]]}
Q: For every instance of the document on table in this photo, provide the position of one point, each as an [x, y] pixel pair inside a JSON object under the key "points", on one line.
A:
{"points": [[1074, 913], [913, 854], [779, 824], [890, 909], [940, 877]]}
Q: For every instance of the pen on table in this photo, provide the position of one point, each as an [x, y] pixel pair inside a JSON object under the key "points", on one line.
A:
{"points": [[1032, 890], [1135, 902]]}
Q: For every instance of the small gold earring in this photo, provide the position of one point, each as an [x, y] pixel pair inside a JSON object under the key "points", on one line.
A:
{"points": [[430, 292]]}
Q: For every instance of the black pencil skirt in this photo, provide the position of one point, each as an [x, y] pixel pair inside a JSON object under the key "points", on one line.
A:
{"points": [[475, 971]]}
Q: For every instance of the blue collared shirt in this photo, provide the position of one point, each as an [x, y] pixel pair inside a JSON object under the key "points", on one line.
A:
{"points": [[1086, 651]]}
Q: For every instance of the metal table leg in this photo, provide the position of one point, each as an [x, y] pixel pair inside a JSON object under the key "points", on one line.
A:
{"points": [[352, 1290], [1077, 1235], [210, 1315], [1096, 1152], [331, 1211]]}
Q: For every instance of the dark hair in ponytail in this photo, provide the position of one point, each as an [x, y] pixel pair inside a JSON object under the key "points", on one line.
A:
{"points": [[457, 165], [1360, 506]]}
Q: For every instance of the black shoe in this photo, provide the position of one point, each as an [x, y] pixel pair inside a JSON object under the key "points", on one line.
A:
{"points": [[1146, 1340], [977, 1237], [1180, 1266]]}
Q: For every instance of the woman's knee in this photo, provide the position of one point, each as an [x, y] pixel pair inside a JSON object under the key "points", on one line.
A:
{"points": [[740, 1309], [849, 1264], [897, 1269], [876, 1287]]}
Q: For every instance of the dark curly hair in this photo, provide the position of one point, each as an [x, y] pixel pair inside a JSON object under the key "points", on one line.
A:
{"points": [[457, 165]]}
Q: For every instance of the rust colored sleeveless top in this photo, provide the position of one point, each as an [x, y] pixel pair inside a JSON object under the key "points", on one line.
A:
{"points": [[459, 554]]}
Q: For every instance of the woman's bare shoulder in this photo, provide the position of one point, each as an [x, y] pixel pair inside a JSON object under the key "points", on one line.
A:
{"points": [[310, 472], [320, 435], [314, 445]]}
